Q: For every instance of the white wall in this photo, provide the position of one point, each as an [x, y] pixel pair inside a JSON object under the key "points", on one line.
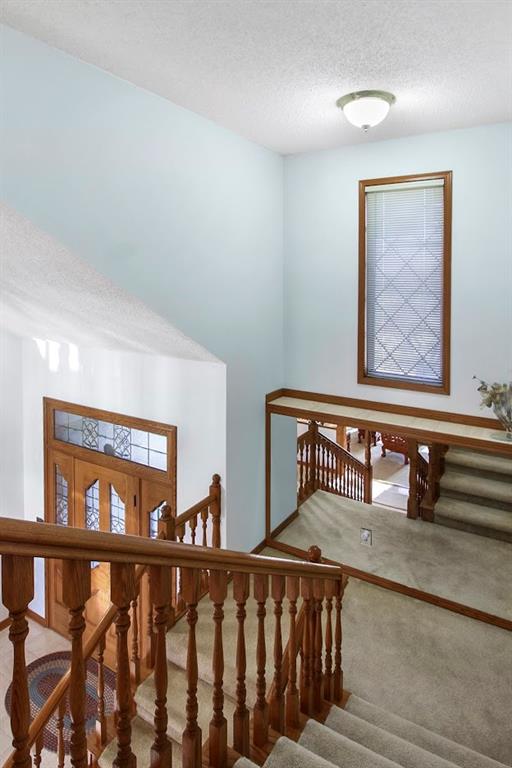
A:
{"points": [[11, 425], [182, 213], [321, 220]]}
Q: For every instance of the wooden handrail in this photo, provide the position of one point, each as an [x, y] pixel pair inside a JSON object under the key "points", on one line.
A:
{"points": [[22, 537], [195, 510]]}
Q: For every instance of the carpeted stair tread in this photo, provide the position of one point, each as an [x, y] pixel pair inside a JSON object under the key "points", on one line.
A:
{"points": [[417, 734], [473, 514], [339, 750], [143, 736], [396, 749], [288, 754], [244, 762], [176, 703], [481, 462], [485, 488]]}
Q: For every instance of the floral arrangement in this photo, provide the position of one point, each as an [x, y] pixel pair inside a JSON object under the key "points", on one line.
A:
{"points": [[498, 397]]}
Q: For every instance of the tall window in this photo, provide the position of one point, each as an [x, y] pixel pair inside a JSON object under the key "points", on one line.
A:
{"points": [[404, 282]]}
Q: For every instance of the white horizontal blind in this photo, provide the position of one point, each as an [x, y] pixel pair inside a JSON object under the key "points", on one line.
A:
{"points": [[404, 281]]}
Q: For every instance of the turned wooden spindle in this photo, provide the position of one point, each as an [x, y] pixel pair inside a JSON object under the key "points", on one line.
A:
{"points": [[277, 700], [292, 694], [61, 745], [100, 692], [17, 593], [306, 669], [338, 671], [76, 590], [241, 585], [260, 716], [191, 739], [318, 597], [135, 658], [122, 591], [204, 524], [215, 511], [193, 527], [218, 732], [159, 595], [328, 675], [38, 748]]}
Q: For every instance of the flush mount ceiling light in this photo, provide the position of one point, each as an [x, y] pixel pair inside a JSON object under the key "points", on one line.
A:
{"points": [[364, 109]]}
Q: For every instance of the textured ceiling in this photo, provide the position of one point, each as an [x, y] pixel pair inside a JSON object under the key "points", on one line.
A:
{"points": [[47, 292], [272, 70]]}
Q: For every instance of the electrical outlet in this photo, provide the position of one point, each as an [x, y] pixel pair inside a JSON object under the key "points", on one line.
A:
{"points": [[366, 536]]}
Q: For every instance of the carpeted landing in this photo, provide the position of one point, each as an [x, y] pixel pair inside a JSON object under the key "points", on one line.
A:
{"points": [[426, 665]]}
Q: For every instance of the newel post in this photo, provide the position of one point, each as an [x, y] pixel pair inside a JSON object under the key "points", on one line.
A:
{"points": [[412, 503], [76, 590], [17, 593], [369, 468], [215, 508], [167, 524]]}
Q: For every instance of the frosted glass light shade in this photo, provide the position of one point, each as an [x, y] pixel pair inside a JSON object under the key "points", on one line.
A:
{"points": [[365, 109]]}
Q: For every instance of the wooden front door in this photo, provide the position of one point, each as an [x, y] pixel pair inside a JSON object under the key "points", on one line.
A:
{"points": [[90, 496]]}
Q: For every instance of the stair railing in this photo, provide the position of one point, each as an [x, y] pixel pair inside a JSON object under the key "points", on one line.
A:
{"points": [[274, 579], [424, 478], [324, 465]]}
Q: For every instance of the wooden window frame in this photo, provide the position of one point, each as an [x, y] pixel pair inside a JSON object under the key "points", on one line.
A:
{"points": [[362, 373]]}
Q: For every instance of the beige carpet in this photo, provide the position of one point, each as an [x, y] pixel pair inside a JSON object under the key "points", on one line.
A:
{"points": [[460, 566]]}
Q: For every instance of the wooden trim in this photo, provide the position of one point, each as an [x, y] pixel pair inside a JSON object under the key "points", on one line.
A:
{"points": [[396, 586], [362, 374], [404, 410], [284, 523], [4, 623], [274, 394], [37, 618], [112, 462], [268, 470]]}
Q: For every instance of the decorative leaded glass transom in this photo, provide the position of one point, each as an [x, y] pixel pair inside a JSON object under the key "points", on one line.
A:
{"points": [[61, 497], [122, 442], [117, 512], [154, 517]]}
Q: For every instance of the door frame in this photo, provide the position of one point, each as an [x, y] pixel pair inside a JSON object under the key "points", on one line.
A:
{"points": [[152, 483]]}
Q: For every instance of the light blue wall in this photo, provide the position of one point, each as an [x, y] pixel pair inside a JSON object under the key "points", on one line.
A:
{"points": [[175, 209], [321, 220]]}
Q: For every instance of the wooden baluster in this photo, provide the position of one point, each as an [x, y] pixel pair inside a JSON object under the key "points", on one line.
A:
{"points": [[17, 593], [318, 595], [193, 527], [150, 656], [204, 523], [292, 693], [135, 659], [301, 471], [159, 595], [218, 733], [215, 511], [314, 447], [241, 714], [191, 739], [122, 592], [38, 748], [338, 671], [100, 691], [261, 707], [76, 590], [305, 681], [277, 700], [61, 745], [328, 677], [412, 503]]}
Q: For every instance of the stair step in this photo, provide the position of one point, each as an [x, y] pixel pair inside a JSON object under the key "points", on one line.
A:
{"points": [[422, 737], [488, 490], [142, 738], [482, 462], [396, 749], [244, 762], [289, 754], [176, 703], [474, 515], [339, 750]]}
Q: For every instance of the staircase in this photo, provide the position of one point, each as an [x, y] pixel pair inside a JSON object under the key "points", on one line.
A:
{"points": [[476, 494], [361, 735]]}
